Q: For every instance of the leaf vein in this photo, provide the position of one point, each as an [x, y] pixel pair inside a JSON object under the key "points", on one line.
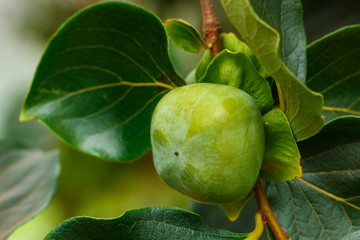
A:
{"points": [[330, 195], [340, 82], [107, 85], [327, 151], [137, 113], [113, 104], [293, 207], [352, 104], [339, 109], [100, 46], [330, 65], [137, 43], [331, 172], [188, 229], [312, 207], [347, 216]]}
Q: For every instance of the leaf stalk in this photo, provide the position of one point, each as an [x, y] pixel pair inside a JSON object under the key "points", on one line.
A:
{"points": [[267, 214]]}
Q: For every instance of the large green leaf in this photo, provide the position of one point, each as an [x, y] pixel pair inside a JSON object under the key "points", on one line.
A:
{"points": [[285, 16], [325, 202], [27, 184], [184, 35], [147, 223], [100, 78], [281, 157], [333, 70], [301, 106], [237, 70]]}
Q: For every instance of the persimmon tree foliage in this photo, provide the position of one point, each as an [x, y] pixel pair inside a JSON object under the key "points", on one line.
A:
{"points": [[261, 114]]}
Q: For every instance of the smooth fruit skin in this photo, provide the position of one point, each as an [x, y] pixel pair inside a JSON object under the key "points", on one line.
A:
{"points": [[208, 142]]}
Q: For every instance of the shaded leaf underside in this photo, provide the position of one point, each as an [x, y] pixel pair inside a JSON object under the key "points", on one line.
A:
{"points": [[286, 17], [27, 184], [325, 202]]}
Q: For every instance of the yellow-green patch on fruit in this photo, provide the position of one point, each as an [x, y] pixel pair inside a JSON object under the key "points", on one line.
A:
{"points": [[208, 142]]}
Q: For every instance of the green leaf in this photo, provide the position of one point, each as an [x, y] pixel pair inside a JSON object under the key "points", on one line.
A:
{"points": [[285, 16], [100, 79], [269, 233], [147, 223], [184, 35], [301, 106], [333, 70], [237, 70], [230, 42], [282, 157], [203, 64], [325, 202], [352, 236], [190, 78], [27, 184]]}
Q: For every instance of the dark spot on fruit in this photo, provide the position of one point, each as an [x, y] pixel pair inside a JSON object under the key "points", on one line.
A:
{"points": [[176, 153]]}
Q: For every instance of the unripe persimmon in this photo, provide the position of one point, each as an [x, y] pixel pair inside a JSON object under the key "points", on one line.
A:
{"points": [[208, 142]]}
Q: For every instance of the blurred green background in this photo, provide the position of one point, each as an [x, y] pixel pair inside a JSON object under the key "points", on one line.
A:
{"points": [[89, 186]]}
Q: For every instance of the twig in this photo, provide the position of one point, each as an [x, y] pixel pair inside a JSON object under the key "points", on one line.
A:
{"points": [[267, 213], [211, 27]]}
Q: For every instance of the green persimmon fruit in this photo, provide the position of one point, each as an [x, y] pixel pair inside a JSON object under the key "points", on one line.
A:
{"points": [[208, 142]]}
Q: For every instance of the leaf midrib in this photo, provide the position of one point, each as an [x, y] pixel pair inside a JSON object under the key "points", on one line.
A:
{"points": [[110, 85]]}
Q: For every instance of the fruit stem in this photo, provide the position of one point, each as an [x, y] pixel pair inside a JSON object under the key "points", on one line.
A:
{"points": [[267, 213], [211, 27]]}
